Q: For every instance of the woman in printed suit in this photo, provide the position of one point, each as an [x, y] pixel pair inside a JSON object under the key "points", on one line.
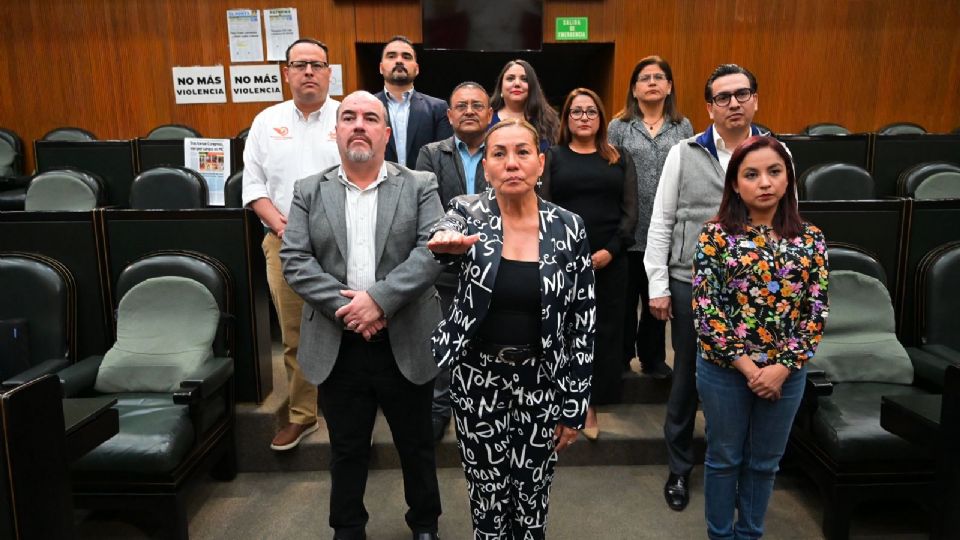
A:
{"points": [[518, 337]]}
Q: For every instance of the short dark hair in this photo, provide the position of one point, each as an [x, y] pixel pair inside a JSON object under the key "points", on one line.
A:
{"points": [[722, 71], [398, 37], [467, 84], [734, 215], [311, 41], [631, 109]]}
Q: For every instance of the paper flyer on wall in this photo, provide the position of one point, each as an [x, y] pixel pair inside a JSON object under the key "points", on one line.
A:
{"points": [[210, 158], [246, 40], [282, 30]]}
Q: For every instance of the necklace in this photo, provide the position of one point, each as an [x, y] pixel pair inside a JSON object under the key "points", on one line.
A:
{"points": [[654, 124]]}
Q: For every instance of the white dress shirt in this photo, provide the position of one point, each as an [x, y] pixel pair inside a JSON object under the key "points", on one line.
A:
{"points": [[284, 146], [361, 216], [664, 216], [399, 119]]}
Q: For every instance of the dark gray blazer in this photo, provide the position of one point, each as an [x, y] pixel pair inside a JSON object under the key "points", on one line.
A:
{"points": [[443, 159], [314, 263], [427, 123]]}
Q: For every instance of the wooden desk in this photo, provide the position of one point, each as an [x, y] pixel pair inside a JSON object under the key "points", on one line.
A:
{"points": [[88, 422]]}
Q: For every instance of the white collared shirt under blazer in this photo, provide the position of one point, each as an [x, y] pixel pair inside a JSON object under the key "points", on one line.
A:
{"points": [[361, 220], [568, 311]]}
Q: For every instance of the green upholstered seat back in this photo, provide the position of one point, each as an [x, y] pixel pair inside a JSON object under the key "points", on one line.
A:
{"points": [[859, 343], [165, 331], [61, 191]]}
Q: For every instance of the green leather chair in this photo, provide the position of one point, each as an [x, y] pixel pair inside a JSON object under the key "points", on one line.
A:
{"points": [[172, 131], [233, 190], [68, 134], [825, 129], [13, 184], [938, 325], [902, 128], [65, 190], [931, 180], [170, 429], [836, 182], [837, 438], [38, 303], [169, 188]]}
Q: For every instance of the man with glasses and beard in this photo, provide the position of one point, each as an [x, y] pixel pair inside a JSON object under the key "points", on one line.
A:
{"points": [[415, 119], [457, 162]]}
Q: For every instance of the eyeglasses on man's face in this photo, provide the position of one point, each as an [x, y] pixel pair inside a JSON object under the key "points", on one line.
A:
{"points": [[474, 106], [301, 65], [647, 77], [578, 113], [722, 99]]}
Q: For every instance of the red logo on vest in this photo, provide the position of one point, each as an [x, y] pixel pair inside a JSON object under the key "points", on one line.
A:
{"points": [[282, 131]]}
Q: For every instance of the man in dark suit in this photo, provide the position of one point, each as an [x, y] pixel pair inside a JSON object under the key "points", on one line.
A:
{"points": [[457, 162], [355, 250], [415, 119]]}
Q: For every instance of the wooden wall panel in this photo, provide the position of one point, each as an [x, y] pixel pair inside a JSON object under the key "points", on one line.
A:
{"points": [[105, 64]]}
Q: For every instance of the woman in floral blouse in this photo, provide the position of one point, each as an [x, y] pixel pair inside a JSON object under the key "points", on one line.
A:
{"points": [[759, 301]]}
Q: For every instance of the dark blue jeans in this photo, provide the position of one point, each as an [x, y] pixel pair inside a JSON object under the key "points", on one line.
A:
{"points": [[746, 437]]}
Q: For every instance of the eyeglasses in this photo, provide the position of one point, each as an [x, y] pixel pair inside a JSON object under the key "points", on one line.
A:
{"points": [[743, 95], [301, 65], [475, 106], [577, 114], [659, 77]]}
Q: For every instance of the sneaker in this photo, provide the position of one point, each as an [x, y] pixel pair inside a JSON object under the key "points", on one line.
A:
{"points": [[658, 371], [290, 435]]}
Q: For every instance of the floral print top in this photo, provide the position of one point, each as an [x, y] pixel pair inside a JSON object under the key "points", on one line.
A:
{"points": [[758, 295]]}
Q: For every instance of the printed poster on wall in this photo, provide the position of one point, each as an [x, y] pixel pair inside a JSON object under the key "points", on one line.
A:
{"points": [[246, 41], [255, 83], [336, 80], [199, 84], [210, 158], [282, 30]]}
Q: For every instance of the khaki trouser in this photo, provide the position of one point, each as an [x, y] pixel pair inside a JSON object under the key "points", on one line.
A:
{"points": [[303, 394]]}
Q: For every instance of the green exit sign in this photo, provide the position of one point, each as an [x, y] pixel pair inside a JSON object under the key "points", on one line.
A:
{"points": [[573, 29]]}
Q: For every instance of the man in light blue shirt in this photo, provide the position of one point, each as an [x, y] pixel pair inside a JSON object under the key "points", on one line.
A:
{"points": [[415, 119], [457, 162]]}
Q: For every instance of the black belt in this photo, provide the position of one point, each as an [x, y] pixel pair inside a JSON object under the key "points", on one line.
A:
{"points": [[507, 353]]}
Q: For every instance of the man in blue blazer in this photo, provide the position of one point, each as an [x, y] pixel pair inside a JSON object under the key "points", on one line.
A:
{"points": [[415, 119]]}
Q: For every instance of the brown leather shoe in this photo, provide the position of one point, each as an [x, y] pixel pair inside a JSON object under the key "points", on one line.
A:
{"points": [[290, 435]]}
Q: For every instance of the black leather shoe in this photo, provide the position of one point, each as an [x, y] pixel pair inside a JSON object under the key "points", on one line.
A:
{"points": [[677, 491], [425, 536], [439, 427]]}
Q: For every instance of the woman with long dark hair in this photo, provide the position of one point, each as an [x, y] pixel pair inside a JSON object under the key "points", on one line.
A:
{"points": [[759, 303], [517, 94], [590, 177], [647, 127]]}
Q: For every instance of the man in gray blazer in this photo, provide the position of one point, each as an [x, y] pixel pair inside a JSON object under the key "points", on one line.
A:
{"points": [[355, 250], [457, 162]]}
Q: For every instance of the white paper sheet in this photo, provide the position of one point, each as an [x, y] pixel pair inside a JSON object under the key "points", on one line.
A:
{"points": [[246, 40], [282, 30]]}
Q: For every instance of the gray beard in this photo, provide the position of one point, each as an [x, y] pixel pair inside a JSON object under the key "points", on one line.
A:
{"points": [[359, 156]]}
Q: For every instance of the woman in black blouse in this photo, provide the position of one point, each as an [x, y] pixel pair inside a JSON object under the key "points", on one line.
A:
{"points": [[518, 336], [588, 176]]}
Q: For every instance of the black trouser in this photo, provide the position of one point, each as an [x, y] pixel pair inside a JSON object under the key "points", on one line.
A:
{"points": [[505, 416], [364, 377], [647, 337], [682, 405], [607, 382]]}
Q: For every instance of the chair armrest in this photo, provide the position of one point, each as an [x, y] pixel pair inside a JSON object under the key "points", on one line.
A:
{"points": [[207, 381], [817, 383], [930, 364], [43, 368], [80, 376]]}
